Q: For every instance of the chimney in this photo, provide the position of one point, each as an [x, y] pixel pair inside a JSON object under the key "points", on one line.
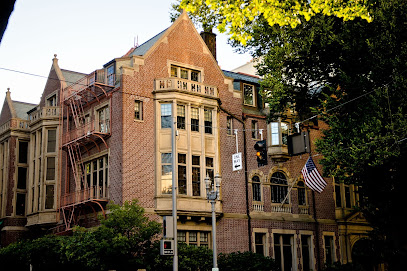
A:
{"points": [[210, 40]]}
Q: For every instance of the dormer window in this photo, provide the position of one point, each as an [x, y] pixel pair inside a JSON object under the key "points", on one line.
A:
{"points": [[110, 75], [248, 95], [52, 101]]}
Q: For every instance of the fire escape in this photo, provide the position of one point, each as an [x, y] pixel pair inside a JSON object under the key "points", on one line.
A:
{"points": [[83, 129]]}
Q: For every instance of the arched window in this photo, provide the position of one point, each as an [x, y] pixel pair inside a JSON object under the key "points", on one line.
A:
{"points": [[301, 193], [256, 187], [279, 188]]}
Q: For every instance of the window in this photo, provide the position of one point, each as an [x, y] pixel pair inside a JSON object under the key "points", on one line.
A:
{"points": [[279, 133], [196, 176], [194, 238], [260, 243], [195, 76], [22, 178], [50, 168], [254, 129], [194, 119], [306, 253], [104, 119], [110, 75], [283, 251], [338, 197], [52, 140], [185, 73], [256, 187], [23, 152], [20, 204], [52, 101], [279, 188], [345, 195], [301, 193], [329, 250], [229, 125], [209, 167], [248, 94], [174, 71], [96, 177], [208, 121], [138, 110], [166, 173], [181, 117], [49, 197], [182, 174], [166, 115]]}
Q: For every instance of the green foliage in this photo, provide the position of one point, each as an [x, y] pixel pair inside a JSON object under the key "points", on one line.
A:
{"points": [[190, 258], [16, 255], [353, 75], [119, 243], [247, 261], [238, 17]]}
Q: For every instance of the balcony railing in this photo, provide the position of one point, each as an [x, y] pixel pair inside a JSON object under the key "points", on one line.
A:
{"points": [[258, 207], [303, 210], [185, 85], [87, 194], [278, 208], [98, 76], [86, 130], [18, 124], [48, 112]]}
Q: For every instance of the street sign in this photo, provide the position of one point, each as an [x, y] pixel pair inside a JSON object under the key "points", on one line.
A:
{"points": [[237, 161]]}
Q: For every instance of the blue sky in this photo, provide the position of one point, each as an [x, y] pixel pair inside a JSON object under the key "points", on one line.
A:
{"points": [[85, 34]]}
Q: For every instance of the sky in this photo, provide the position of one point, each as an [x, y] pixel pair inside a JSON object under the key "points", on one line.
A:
{"points": [[85, 34]]}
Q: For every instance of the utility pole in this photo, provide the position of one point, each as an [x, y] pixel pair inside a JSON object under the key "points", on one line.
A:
{"points": [[174, 185]]}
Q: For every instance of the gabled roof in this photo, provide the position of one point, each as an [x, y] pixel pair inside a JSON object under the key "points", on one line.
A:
{"points": [[71, 77], [242, 77], [22, 108], [143, 48]]}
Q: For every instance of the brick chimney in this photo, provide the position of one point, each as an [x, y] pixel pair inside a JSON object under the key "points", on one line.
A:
{"points": [[210, 40]]}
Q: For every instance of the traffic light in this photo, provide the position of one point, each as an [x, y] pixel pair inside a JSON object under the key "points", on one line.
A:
{"points": [[166, 247], [261, 152]]}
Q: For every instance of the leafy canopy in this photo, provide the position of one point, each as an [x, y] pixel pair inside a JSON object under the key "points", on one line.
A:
{"points": [[237, 17]]}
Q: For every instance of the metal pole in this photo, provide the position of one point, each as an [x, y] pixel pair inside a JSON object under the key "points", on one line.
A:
{"points": [[215, 256], [174, 188]]}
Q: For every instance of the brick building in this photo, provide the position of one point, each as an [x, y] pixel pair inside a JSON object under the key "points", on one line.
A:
{"points": [[105, 136]]}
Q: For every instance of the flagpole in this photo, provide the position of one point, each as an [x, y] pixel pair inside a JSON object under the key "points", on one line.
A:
{"points": [[316, 222]]}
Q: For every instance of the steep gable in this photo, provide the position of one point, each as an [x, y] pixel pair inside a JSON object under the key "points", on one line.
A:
{"points": [[7, 112]]}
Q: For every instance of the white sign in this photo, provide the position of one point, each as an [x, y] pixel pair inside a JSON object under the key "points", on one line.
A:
{"points": [[237, 161]]}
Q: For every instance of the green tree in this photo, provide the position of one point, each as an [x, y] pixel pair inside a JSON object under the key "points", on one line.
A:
{"points": [[352, 75], [190, 258], [237, 17], [121, 242]]}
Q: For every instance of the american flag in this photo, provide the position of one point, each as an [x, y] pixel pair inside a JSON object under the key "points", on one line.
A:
{"points": [[312, 177]]}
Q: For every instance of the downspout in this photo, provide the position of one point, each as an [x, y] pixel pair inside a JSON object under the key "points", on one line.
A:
{"points": [[249, 230]]}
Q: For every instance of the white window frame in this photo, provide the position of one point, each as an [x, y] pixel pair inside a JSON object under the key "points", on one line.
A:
{"points": [[253, 95]]}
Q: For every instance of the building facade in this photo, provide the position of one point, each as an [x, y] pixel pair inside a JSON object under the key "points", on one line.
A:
{"points": [[106, 136]]}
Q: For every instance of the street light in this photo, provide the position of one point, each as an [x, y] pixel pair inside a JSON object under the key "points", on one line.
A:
{"points": [[212, 194]]}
